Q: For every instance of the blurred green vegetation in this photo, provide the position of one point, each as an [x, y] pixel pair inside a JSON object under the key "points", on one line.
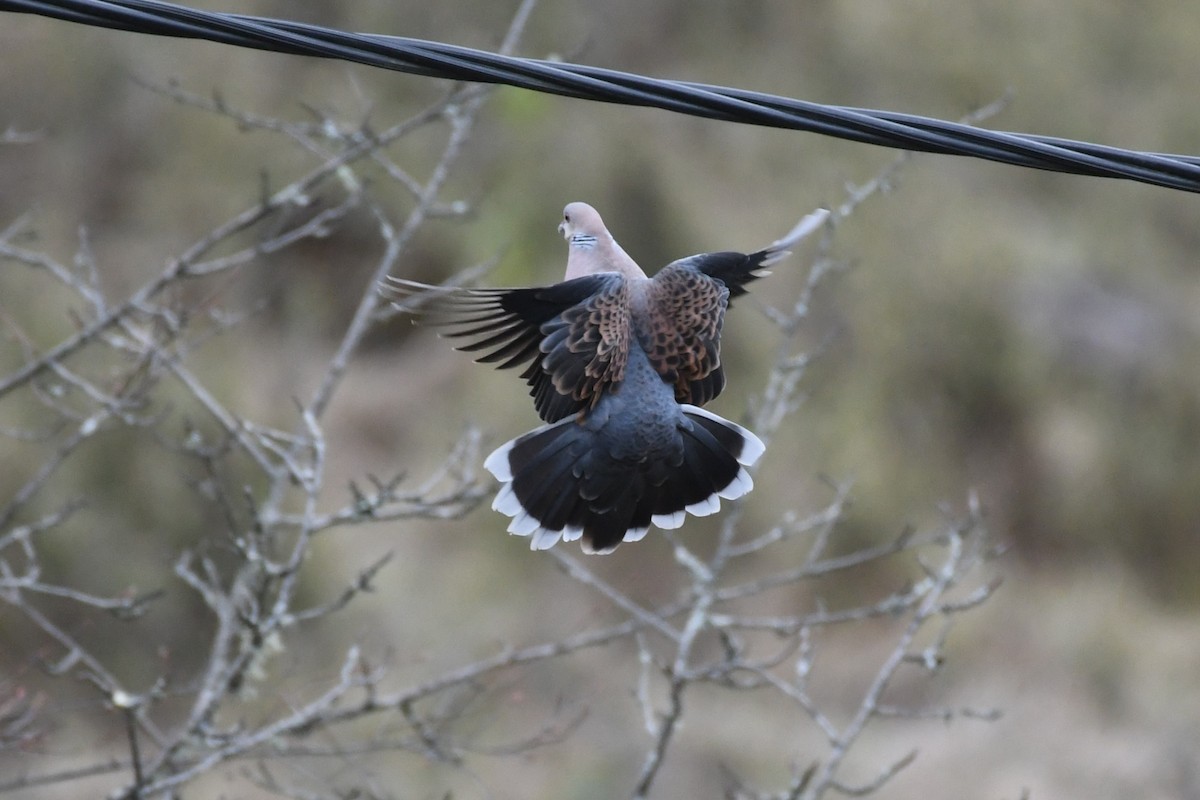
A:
{"points": [[1033, 337]]}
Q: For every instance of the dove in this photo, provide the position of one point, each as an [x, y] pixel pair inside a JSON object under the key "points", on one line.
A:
{"points": [[619, 365]]}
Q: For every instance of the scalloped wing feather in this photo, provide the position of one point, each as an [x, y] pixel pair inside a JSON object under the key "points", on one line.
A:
{"points": [[683, 336]]}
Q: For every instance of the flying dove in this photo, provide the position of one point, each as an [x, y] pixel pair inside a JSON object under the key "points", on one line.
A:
{"points": [[618, 365]]}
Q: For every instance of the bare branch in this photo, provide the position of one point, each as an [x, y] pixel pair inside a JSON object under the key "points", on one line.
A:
{"points": [[746, 624]]}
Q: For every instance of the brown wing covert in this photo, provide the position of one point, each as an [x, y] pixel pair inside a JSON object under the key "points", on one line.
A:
{"points": [[683, 336]]}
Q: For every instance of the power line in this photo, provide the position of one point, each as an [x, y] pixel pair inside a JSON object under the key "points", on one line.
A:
{"points": [[435, 59]]}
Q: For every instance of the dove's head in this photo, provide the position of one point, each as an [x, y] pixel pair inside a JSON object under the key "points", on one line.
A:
{"points": [[592, 248], [581, 224]]}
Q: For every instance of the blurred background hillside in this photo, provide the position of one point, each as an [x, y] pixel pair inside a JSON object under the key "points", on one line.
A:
{"points": [[1029, 336]]}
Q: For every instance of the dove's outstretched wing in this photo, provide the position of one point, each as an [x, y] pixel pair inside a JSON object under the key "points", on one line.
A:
{"points": [[571, 337], [690, 296]]}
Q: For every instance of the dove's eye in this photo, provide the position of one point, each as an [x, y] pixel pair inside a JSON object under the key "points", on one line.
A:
{"points": [[566, 217]]}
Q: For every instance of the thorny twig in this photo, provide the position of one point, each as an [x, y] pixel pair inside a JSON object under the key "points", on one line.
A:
{"points": [[713, 595], [727, 627], [254, 603]]}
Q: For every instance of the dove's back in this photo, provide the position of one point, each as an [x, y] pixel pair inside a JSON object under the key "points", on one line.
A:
{"points": [[638, 458]]}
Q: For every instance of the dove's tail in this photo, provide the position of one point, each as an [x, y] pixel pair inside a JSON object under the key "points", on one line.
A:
{"points": [[563, 481]]}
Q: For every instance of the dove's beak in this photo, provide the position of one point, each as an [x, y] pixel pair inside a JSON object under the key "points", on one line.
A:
{"points": [[562, 229]]}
